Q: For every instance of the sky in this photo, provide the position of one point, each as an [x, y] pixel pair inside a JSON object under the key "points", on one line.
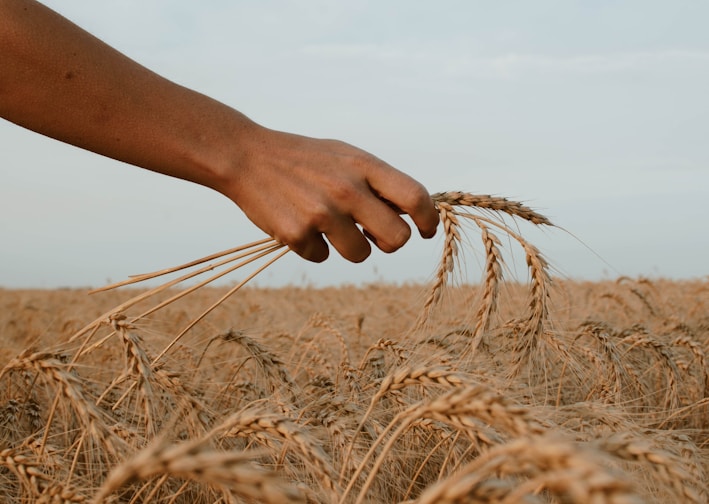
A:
{"points": [[595, 113]]}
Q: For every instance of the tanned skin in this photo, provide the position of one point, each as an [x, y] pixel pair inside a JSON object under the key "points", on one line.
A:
{"points": [[60, 81]]}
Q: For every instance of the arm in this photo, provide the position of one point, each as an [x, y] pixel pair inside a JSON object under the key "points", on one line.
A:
{"points": [[60, 81]]}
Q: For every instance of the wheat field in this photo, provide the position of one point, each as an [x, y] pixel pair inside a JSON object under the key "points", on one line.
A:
{"points": [[498, 389]]}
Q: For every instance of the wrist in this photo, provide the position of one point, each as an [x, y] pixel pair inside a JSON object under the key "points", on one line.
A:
{"points": [[223, 152]]}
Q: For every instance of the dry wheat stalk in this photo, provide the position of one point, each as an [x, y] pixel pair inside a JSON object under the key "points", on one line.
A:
{"points": [[250, 248], [321, 321], [612, 355], [532, 328], [26, 469], [138, 369], [639, 337], [307, 353], [493, 277], [645, 301], [35, 470], [57, 493], [446, 265], [230, 293], [71, 388], [419, 375], [253, 252], [256, 422], [495, 204], [564, 469], [454, 204], [195, 461], [698, 352], [276, 373], [668, 468], [404, 377], [470, 408], [401, 353]]}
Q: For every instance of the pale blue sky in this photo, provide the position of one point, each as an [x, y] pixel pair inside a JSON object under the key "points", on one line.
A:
{"points": [[595, 113]]}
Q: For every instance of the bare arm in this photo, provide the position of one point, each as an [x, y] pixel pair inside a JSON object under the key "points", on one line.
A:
{"points": [[63, 82]]}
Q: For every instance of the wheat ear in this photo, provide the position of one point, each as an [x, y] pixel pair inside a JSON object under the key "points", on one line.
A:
{"points": [[446, 265], [455, 204], [561, 468], [195, 461], [257, 423], [464, 409]]}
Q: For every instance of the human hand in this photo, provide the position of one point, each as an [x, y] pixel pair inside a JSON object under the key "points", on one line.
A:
{"points": [[298, 189]]}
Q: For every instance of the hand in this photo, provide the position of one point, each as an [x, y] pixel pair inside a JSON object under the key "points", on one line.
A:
{"points": [[298, 189], [73, 87]]}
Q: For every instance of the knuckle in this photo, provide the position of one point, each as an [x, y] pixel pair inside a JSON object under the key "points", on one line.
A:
{"points": [[291, 238], [317, 218], [308, 245], [343, 191], [292, 234], [396, 240], [422, 210], [418, 198], [303, 234]]}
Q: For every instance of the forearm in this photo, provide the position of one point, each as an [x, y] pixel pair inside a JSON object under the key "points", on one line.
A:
{"points": [[61, 81]]}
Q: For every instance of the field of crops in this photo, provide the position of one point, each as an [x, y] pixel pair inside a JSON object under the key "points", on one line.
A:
{"points": [[539, 390]]}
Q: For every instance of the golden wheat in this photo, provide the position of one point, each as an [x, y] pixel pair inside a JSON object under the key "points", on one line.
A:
{"points": [[489, 391]]}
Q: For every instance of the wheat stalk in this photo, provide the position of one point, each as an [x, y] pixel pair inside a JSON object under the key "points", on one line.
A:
{"points": [[234, 470], [245, 254], [639, 337], [451, 206], [463, 409], [493, 277], [665, 466], [566, 470], [70, 387], [493, 203], [256, 422], [401, 378]]}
